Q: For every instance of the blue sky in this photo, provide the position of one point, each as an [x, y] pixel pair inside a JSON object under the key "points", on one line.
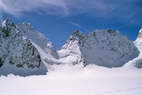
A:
{"points": [[58, 18]]}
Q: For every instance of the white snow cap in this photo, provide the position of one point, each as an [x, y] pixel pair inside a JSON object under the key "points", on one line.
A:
{"points": [[140, 33], [102, 47]]}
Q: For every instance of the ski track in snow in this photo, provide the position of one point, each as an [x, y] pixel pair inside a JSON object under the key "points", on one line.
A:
{"points": [[75, 80]]}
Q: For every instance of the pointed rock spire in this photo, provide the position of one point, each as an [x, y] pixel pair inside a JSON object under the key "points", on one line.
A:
{"points": [[77, 35]]}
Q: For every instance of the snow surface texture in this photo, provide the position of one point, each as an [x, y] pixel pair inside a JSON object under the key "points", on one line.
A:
{"points": [[75, 80], [103, 48], [17, 54]]}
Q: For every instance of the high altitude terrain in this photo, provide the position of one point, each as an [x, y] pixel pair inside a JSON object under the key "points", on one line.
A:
{"points": [[25, 51]]}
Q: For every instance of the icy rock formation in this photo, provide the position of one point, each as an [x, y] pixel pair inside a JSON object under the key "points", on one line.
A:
{"points": [[103, 47], [138, 41], [46, 48], [138, 62], [17, 54]]}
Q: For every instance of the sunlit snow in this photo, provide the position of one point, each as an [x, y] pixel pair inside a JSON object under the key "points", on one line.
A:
{"points": [[75, 80]]}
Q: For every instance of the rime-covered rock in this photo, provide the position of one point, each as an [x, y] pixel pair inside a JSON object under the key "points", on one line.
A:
{"points": [[103, 47], [46, 48], [17, 53], [138, 61]]}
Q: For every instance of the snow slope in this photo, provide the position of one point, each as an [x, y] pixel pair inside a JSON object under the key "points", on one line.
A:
{"points": [[137, 62], [45, 47], [75, 80], [38, 38]]}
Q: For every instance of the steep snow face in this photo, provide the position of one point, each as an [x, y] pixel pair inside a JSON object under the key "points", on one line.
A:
{"points": [[17, 53], [70, 52], [38, 38], [44, 46], [138, 43], [103, 47]]}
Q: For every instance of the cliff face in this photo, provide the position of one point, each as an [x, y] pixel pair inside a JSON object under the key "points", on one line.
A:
{"points": [[103, 47], [138, 43], [17, 53], [25, 51]]}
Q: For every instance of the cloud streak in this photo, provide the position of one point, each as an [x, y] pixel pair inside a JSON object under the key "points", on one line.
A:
{"points": [[126, 9], [17, 7]]}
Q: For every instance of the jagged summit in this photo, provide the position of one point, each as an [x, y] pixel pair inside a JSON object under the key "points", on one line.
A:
{"points": [[25, 51], [39, 39], [18, 55], [6, 22], [138, 41], [102, 47], [77, 35]]}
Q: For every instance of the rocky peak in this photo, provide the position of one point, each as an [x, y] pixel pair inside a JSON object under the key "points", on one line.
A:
{"points": [[138, 41], [17, 54], [102, 47], [7, 23], [39, 39], [77, 35]]}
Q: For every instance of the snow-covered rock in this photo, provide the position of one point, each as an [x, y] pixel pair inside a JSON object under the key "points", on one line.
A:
{"points": [[103, 47], [138, 43], [46, 48], [17, 53]]}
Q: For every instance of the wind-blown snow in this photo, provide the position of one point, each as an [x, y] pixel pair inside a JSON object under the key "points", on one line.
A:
{"points": [[75, 80]]}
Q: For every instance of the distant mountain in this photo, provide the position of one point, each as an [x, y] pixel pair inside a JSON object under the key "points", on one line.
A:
{"points": [[103, 47]]}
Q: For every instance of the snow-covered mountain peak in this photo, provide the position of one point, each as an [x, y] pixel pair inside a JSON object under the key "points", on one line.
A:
{"points": [[18, 54], [6, 22], [41, 42], [37, 37], [140, 34], [138, 41], [102, 47], [77, 35]]}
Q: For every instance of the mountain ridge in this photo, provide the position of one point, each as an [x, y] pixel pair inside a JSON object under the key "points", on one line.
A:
{"points": [[107, 43], [101, 48]]}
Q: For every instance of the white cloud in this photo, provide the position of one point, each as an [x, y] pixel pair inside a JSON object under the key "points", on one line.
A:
{"points": [[17, 7], [100, 8]]}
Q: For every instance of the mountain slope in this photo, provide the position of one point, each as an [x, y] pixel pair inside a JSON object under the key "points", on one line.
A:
{"points": [[103, 47], [137, 62], [17, 54], [46, 48], [25, 51]]}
